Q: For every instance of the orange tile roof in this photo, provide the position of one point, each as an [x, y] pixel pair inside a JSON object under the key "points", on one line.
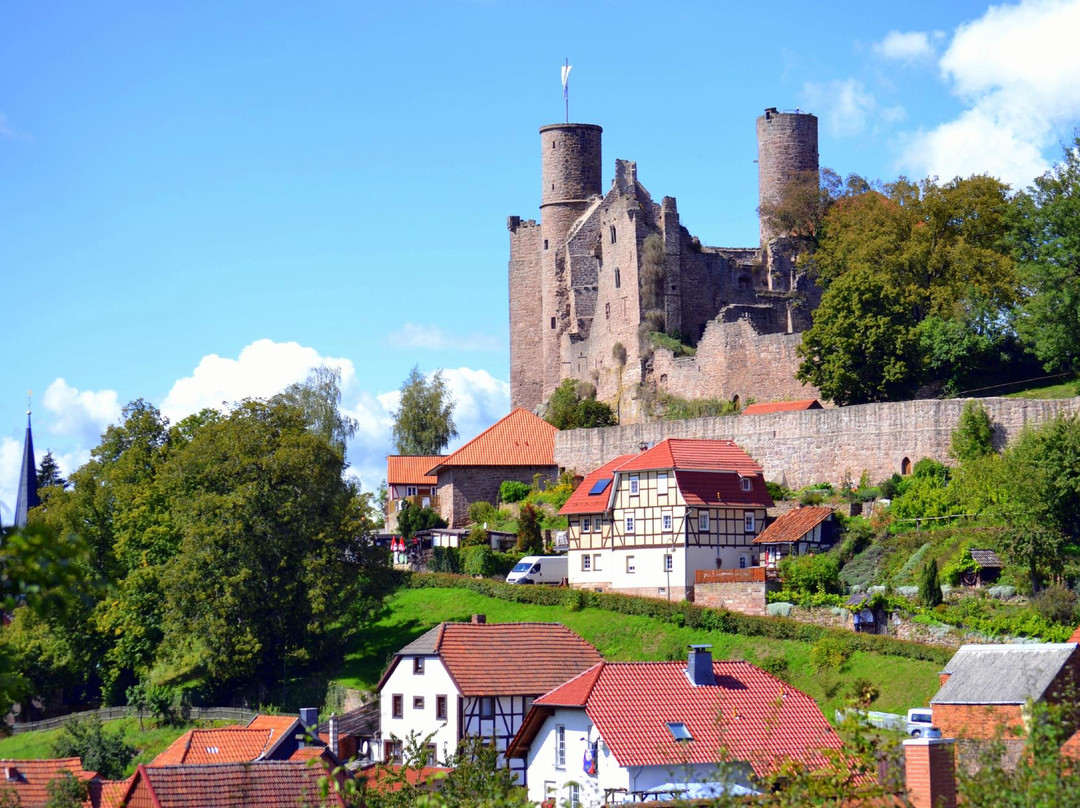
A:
{"points": [[519, 439], [504, 659], [266, 784], [225, 745], [411, 469], [29, 779], [1075, 636], [581, 501], [793, 525], [112, 792], [749, 714], [280, 727], [782, 406], [384, 778], [694, 455]]}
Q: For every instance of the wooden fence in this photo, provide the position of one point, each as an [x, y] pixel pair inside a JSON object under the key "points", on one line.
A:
{"points": [[237, 714], [732, 576]]}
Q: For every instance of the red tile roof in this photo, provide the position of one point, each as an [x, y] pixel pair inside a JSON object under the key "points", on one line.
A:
{"points": [[694, 455], [225, 745], [782, 406], [29, 779], [266, 784], [793, 525], [581, 501], [705, 488], [411, 469], [519, 439], [1075, 636], [749, 715], [279, 726], [390, 778], [504, 659], [112, 792]]}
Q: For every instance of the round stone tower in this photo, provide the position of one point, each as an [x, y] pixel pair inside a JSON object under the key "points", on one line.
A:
{"points": [[570, 169], [787, 149]]}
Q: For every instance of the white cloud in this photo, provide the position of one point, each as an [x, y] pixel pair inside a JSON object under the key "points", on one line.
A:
{"points": [[80, 415], [10, 461], [431, 337], [263, 369], [909, 47], [1015, 68], [846, 106]]}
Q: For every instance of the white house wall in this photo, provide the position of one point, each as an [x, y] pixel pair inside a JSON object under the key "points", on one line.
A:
{"points": [[420, 722], [545, 776]]}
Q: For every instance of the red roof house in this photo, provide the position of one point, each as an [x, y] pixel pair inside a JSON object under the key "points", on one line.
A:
{"points": [[518, 447], [798, 532], [407, 480], [27, 781], [647, 729], [474, 678]]}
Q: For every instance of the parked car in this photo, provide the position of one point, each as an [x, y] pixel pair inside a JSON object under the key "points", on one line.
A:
{"points": [[920, 723]]}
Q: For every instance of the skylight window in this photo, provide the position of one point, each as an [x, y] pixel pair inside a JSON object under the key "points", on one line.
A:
{"points": [[599, 486], [679, 731]]}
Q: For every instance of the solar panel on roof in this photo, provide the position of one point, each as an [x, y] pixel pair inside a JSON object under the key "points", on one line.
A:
{"points": [[599, 486]]}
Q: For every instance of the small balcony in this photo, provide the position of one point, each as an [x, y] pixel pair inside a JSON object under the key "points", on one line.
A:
{"points": [[420, 501]]}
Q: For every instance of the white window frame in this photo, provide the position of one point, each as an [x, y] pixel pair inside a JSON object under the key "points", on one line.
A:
{"points": [[746, 484], [748, 522], [586, 563], [661, 483], [586, 524], [631, 565], [573, 795], [596, 562], [669, 562], [667, 522], [560, 746], [629, 524], [635, 484], [598, 524], [411, 491], [703, 522]]}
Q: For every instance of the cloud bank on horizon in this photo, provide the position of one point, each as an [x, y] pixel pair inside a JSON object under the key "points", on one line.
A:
{"points": [[1013, 69], [76, 418]]}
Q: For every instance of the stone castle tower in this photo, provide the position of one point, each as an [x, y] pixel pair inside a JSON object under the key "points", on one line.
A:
{"points": [[601, 271]]}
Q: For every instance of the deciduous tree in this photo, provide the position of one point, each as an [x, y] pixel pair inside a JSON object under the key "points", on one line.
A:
{"points": [[424, 422]]}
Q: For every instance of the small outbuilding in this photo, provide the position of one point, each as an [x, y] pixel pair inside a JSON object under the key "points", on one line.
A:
{"points": [[987, 568]]}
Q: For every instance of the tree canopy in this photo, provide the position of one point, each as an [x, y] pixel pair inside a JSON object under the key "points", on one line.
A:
{"points": [[424, 421], [573, 405]]}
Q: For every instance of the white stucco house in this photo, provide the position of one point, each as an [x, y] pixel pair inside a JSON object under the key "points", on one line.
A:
{"points": [[638, 731], [644, 524], [475, 678]]}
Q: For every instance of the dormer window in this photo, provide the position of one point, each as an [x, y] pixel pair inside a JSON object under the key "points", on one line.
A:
{"points": [[679, 731], [418, 665], [745, 484]]}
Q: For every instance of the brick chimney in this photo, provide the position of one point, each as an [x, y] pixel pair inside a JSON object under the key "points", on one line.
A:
{"points": [[479, 619], [930, 772], [699, 669]]}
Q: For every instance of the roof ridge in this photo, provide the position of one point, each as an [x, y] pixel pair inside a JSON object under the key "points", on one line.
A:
{"points": [[474, 440]]}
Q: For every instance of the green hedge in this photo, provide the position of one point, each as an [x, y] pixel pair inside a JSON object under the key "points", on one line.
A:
{"points": [[682, 613]]}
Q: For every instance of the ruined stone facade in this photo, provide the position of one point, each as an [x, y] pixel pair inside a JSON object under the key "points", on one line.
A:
{"points": [[599, 272]]}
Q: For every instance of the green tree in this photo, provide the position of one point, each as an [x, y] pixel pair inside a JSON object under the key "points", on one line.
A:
{"points": [[106, 753], [48, 472], [811, 574], [573, 405], [66, 791], [1046, 245], [529, 539], [974, 433], [412, 518], [319, 398], [424, 422], [929, 585]]}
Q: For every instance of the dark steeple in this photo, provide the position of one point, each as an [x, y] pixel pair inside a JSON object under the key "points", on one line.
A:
{"points": [[28, 493]]}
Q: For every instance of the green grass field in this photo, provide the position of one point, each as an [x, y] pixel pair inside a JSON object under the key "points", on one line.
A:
{"points": [[903, 683], [1066, 390], [150, 742]]}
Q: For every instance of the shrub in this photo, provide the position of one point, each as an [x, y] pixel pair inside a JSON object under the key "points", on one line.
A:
{"points": [[929, 586], [478, 560], [829, 654], [106, 753], [1002, 592], [445, 559], [575, 600], [1056, 603], [863, 693], [890, 487], [476, 537], [481, 511], [811, 574], [778, 491], [776, 664], [511, 491], [973, 436], [529, 539]]}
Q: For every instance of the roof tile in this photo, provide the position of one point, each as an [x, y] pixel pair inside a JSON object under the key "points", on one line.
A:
{"points": [[694, 455], [793, 525], [411, 469], [519, 439], [581, 501], [29, 779], [224, 745], [267, 784]]}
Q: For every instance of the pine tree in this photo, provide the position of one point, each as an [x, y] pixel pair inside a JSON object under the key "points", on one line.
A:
{"points": [[929, 586], [48, 472]]}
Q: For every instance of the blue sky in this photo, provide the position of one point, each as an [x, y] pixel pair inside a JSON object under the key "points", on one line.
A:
{"points": [[201, 200]]}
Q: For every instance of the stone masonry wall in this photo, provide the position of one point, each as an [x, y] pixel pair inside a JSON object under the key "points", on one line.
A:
{"points": [[526, 344], [732, 360], [460, 486], [747, 597], [801, 448]]}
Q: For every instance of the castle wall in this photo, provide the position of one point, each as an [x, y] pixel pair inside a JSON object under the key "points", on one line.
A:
{"points": [[802, 448], [526, 382], [732, 360]]}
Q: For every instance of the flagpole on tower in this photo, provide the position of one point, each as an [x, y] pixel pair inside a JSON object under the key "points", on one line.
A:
{"points": [[565, 92]]}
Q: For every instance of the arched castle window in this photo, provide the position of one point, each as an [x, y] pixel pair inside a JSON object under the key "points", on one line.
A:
{"points": [[612, 234], [905, 466], [618, 280]]}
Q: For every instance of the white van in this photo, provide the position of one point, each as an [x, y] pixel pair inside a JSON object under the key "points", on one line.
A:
{"points": [[920, 723], [539, 570]]}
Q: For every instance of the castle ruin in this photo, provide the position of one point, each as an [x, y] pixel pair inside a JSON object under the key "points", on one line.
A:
{"points": [[600, 272]]}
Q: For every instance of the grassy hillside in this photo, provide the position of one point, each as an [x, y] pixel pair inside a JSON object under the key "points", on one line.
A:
{"points": [[903, 683]]}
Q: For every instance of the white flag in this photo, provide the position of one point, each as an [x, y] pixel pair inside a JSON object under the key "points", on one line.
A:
{"points": [[566, 75]]}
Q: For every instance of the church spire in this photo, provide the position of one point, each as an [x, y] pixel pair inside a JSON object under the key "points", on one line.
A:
{"points": [[28, 493]]}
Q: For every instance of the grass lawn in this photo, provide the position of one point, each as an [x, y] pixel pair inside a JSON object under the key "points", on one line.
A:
{"points": [[150, 742], [1066, 390], [409, 613]]}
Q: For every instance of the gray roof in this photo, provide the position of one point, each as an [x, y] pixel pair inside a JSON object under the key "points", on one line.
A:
{"points": [[427, 643], [1002, 674], [986, 558]]}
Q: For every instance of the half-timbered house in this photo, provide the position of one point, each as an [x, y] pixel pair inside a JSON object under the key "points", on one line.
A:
{"points": [[473, 678], [407, 480], [653, 519], [801, 531]]}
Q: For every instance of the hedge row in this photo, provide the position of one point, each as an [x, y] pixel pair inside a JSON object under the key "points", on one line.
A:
{"points": [[680, 613]]}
